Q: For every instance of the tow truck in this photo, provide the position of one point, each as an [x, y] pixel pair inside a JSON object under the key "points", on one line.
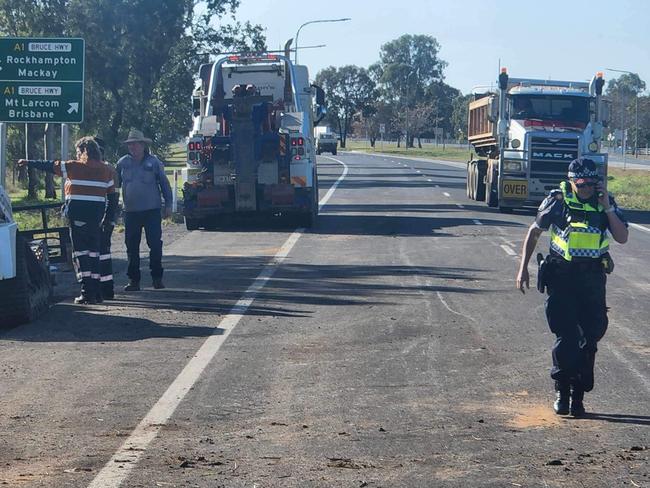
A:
{"points": [[251, 148]]}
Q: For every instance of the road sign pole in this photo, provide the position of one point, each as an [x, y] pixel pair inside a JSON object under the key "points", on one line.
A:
{"points": [[3, 153], [65, 142]]}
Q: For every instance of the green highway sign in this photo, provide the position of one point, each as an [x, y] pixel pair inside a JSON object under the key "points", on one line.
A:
{"points": [[41, 80]]}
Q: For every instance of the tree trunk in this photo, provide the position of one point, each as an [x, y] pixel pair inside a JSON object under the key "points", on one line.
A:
{"points": [[373, 139], [399, 140], [419, 142], [50, 187]]}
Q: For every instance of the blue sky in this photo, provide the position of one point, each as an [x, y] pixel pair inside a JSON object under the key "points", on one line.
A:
{"points": [[569, 39]]}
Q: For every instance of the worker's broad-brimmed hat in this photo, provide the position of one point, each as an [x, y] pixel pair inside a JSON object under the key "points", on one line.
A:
{"points": [[136, 135], [582, 168]]}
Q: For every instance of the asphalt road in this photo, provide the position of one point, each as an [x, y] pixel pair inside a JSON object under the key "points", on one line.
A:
{"points": [[386, 347]]}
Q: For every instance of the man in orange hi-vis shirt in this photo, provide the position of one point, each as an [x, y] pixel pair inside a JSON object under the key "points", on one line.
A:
{"points": [[88, 182]]}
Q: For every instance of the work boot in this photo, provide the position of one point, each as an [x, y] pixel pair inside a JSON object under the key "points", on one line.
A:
{"points": [[132, 286], [562, 395], [84, 300], [577, 396], [158, 284]]}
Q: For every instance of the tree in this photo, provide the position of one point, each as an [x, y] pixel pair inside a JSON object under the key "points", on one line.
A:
{"points": [[408, 73], [459, 114], [623, 92], [348, 90]]}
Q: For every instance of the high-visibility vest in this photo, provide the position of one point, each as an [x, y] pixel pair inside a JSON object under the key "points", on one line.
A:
{"points": [[585, 236]]}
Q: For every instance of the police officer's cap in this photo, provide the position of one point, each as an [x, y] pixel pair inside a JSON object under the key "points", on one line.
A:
{"points": [[582, 168]]}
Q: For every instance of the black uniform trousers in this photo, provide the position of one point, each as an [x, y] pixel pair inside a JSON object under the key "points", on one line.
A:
{"points": [[134, 223], [106, 262], [85, 255], [576, 311]]}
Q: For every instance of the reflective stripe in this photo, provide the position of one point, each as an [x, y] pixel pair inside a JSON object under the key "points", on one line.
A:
{"points": [[86, 198], [84, 274], [106, 278], [104, 257], [77, 254], [98, 184], [64, 172], [93, 254]]}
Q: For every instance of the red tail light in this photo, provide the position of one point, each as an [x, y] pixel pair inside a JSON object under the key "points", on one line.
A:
{"points": [[191, 146]]}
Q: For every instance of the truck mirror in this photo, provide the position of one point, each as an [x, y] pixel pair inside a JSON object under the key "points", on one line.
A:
{"points": [[196, 106], [320, 95], [492, 111]]}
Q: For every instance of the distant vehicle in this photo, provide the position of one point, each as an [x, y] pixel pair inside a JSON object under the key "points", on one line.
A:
{"points": [[527, 133], [25, 283], [326, 142], [251, 149]]}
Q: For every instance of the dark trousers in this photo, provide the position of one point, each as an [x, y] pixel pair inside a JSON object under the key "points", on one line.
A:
{"points": [[151, 222], [576, 311], [85, 255], [106, 262]]}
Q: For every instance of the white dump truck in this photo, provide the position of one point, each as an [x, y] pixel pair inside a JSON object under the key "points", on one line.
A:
{"points": [[251, 149], [525, 135], [25, 284]]}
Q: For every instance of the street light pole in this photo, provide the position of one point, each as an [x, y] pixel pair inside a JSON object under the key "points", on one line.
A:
{"points": [[295, 58]]}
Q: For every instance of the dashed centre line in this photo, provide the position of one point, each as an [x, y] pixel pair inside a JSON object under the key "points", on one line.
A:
{"points": [[508, 250], [446, 194]]}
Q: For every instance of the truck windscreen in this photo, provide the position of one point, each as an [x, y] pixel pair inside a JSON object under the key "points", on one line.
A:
{"points": [[550, 107]]}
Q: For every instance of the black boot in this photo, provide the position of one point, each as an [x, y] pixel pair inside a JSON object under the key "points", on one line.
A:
{"points": [[577, 396], [562, 395], [132, 286]]}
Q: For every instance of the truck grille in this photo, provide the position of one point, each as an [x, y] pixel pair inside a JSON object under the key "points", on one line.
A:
{"points": [[550, 157]]}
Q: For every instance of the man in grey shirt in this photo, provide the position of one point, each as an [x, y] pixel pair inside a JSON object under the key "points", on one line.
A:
{"points": [[142, 179]]}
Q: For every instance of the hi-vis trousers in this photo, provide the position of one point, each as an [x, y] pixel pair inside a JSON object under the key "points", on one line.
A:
{"points": [[85, 255]]}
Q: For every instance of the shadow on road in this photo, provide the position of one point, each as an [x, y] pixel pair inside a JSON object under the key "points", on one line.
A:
{"points": [[70, 323], [617, 418]]}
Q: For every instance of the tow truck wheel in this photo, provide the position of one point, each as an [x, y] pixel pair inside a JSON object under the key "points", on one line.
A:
{"points": [[191, 224], [471, 180]]}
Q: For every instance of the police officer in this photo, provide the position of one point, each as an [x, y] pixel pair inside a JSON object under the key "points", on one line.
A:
{"points": [[580, 215]]}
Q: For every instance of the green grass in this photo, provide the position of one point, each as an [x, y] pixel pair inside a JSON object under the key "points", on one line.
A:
{"points": [[631, 188], [428, 151]]}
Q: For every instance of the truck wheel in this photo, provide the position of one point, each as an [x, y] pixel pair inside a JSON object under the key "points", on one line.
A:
{"points": [[191, 224], [27, 296], [491, 193], [334, 152], [505, 210], [471, 180], [480, 171]]}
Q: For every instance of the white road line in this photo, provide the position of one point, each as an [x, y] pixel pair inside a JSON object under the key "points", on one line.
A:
{"points": [[446, 194], [429, 179], [418, 171], [460, 206], [452, 310], [118, 468], [640, 227], [477, 222], [508, 250]]}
